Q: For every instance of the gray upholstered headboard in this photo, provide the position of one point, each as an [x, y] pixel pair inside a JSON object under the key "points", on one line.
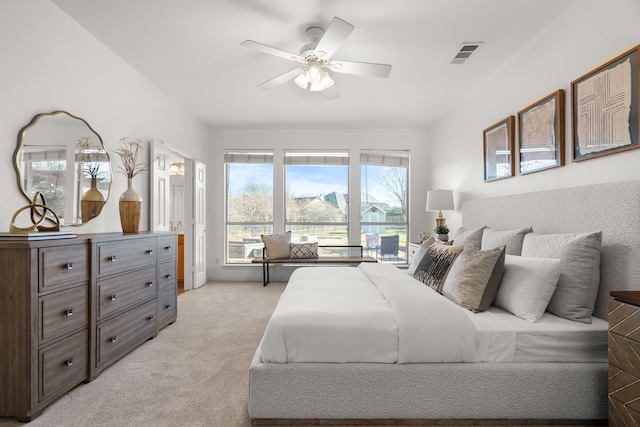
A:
{"points": [[613, 208]]}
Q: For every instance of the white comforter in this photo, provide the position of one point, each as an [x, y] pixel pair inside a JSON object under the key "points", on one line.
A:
{"points": [[373, 313]]}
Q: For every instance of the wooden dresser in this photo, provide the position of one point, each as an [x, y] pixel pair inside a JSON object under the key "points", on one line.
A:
{"points": [[624, 362], [71, 307]]}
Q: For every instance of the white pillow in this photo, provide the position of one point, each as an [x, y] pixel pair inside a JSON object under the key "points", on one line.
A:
{"points": [[277, 245], [527, 285]]}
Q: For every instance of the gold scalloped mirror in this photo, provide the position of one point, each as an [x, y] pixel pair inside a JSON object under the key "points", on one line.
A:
{"points": [[62, 157]]}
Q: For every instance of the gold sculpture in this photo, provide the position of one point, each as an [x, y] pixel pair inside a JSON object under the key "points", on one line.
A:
{"points": [[43, 218]]}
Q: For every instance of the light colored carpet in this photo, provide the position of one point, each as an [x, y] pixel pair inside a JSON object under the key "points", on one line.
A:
{"points": [[194, 373]]}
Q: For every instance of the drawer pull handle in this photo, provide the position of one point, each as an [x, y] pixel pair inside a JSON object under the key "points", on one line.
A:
{"points": [[68, 312], [168, 248], [68, 362], [112, 297], [168, 306], [112, 258], [113, 339], [151, 318], [68, 266], [150, 251], [168, 276], [149, 284]]}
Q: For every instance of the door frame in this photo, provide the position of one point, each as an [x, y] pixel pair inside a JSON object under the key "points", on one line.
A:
{"points": [[189, 189]]}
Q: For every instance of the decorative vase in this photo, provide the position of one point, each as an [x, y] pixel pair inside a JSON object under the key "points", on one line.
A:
{"points": [[91, 202], [443, 237], [130, 208]]}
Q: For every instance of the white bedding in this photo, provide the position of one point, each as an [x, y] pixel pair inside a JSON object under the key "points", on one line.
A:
{"points": [[377, 313]]}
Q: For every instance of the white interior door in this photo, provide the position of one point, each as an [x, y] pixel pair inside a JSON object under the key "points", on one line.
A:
{"points": [[160, 207], [200, 225]]}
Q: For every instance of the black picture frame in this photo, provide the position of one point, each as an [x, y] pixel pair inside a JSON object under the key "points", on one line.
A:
{"points": [[604, 108], [541, 134], [498, 146]]}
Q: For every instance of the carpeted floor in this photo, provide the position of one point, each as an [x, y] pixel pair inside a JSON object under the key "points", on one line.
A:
{"points": [[194, 373]]}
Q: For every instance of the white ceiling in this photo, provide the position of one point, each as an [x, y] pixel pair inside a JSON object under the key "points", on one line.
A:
{"points": [[191, 50]]}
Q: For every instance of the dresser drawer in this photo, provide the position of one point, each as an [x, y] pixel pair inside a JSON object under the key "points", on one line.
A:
{"points": [[123, 333], [63, 364], [120, 292], [60, 265], [167, 306], [167, 247], [166, 276], [63, 312], [123, 255]]}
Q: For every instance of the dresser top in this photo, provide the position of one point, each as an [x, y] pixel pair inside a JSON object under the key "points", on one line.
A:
{"points": [[630, 297]]}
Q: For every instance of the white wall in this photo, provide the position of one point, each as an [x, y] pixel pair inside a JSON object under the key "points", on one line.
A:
{"points": [[353, 139], [50, 63], [585, 37]]}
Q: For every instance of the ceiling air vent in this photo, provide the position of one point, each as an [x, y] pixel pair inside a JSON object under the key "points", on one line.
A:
{"points": [[465, 52]]}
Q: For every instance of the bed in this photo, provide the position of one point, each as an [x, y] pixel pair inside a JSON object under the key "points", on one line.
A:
{"points": [[499, 367]]}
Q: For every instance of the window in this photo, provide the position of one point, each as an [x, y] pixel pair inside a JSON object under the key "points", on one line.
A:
{"points": [[384, 204], [249, 192], [317, 192]]}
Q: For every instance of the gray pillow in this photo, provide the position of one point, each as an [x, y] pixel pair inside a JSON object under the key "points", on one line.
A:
{"points": [[422, 249], [435, 264], [277, 245], [512, 239], [466, 238], [474, 278], [579, 254]]}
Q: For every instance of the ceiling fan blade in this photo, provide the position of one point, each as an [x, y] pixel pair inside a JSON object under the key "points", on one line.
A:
{"points": [[331, 93], [333, 37], [282, 78], [272, 51], [369, 69]]}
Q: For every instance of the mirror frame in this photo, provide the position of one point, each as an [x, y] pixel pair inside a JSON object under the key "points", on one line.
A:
{"points": [[19, 147]]}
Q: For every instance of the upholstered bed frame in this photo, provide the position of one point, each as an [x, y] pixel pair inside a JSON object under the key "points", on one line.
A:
{"points": [[483, 391]]}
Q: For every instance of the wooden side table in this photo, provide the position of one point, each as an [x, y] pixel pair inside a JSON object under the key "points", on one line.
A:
{"points": [[624, 362]]}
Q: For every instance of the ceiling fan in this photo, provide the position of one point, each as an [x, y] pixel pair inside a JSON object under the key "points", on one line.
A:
{"points": [[316, 59]]}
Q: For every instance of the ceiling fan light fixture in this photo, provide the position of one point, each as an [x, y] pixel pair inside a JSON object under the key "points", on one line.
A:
{"points": [[302, 81], [326, 81], [314, 72]]}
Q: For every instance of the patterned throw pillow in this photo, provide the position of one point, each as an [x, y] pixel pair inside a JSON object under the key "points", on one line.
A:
{"points": [[435, 265], [303, 250]]}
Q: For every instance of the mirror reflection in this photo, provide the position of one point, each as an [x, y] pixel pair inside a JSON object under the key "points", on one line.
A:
{"points": [[62, 157]]}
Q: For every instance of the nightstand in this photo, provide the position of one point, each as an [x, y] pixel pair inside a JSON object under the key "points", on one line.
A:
{"points": [[624, 363], [412, 248]]}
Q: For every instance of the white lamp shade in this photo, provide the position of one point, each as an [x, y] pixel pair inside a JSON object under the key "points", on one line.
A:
{"points": [[440, 200]]}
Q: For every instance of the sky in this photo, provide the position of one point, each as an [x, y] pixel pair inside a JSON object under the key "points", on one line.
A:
{"points": [[304, 181]]}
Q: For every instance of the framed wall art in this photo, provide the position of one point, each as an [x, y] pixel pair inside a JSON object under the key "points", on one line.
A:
{"points": [[498, 150], [604, 108], [541, 134]]}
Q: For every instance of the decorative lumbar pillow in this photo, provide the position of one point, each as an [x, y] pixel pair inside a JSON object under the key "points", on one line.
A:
{"points": [[422, 249], [527, 285], [435, 264], [303, 250], [579, 253], [474, 278], [468, 239], [512, 239], [277, 245]]}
